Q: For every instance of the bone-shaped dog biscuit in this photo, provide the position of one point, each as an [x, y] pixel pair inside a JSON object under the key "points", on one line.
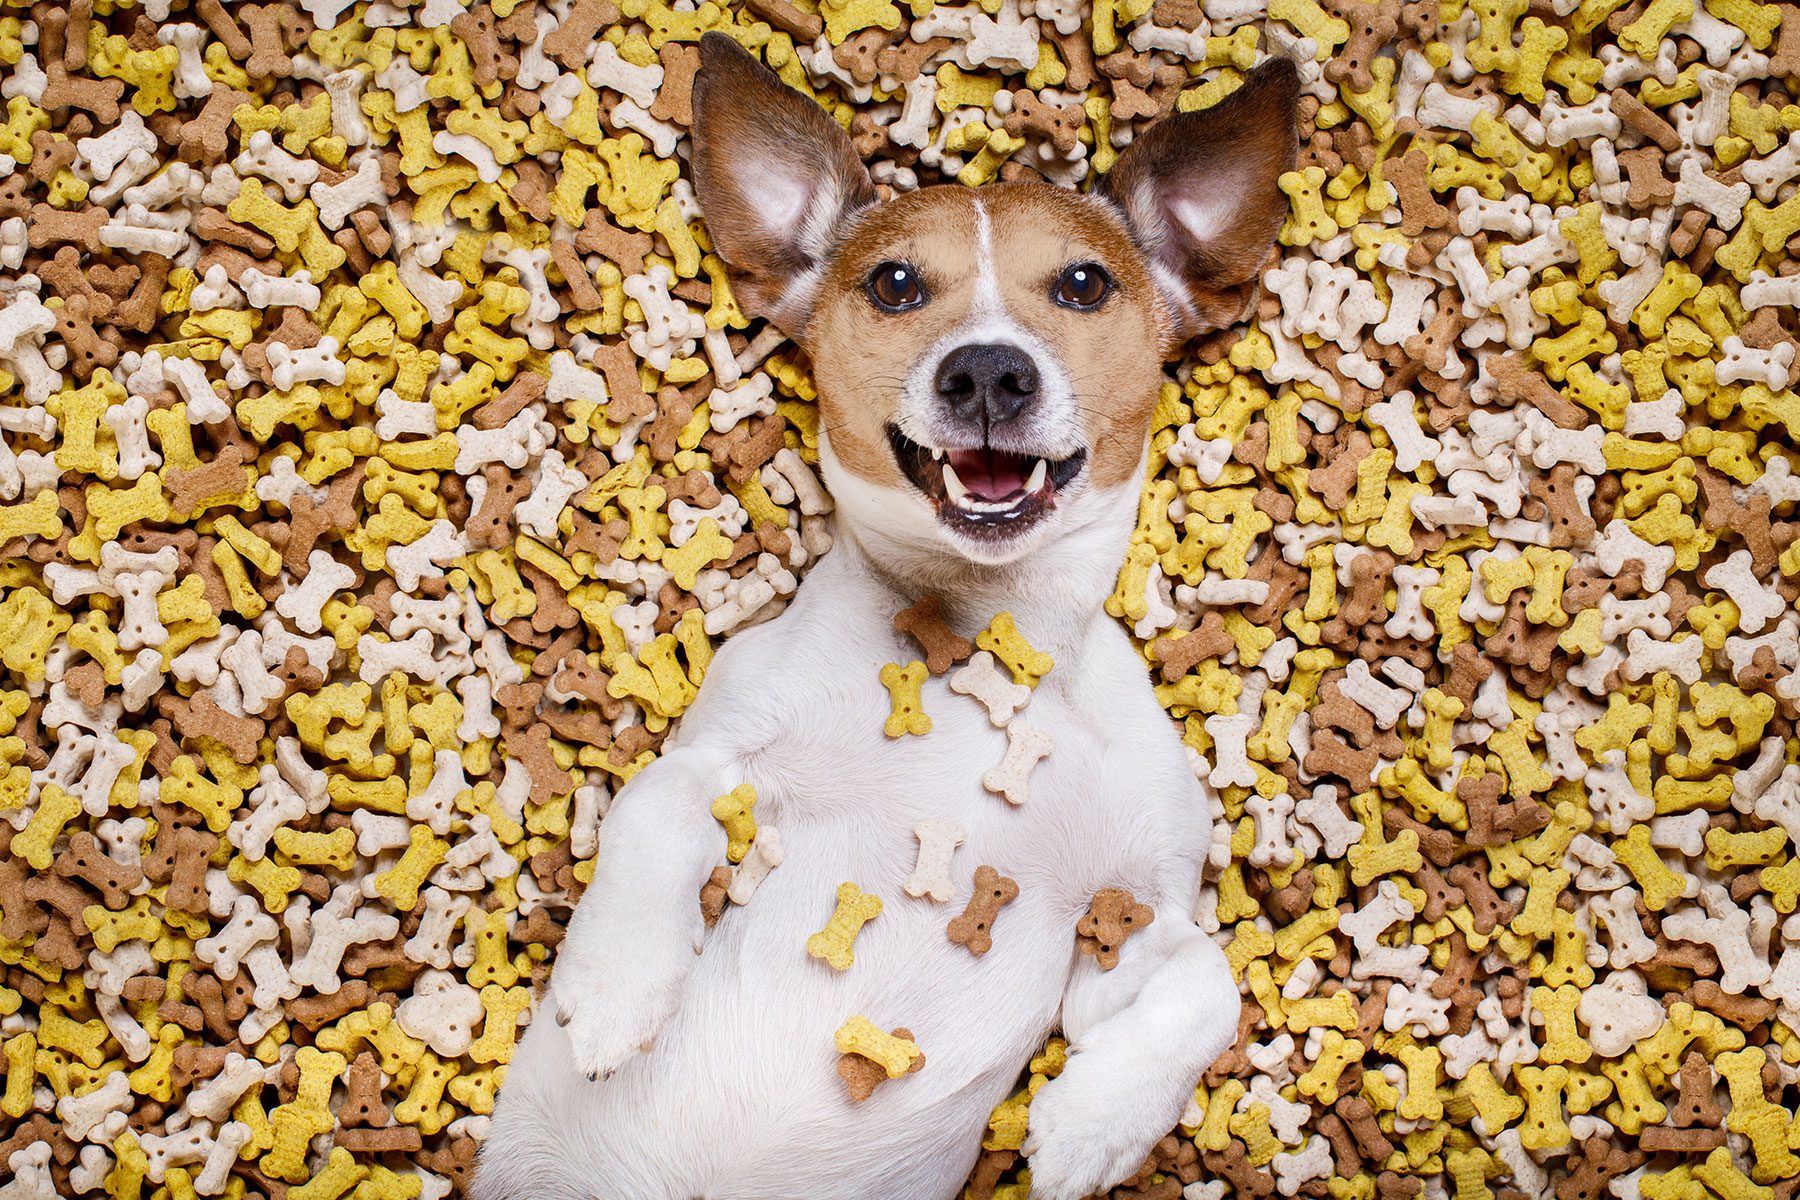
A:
{"points": [[734, 811], [907, 713], [893, 1054], [764, 856], [861, 1075], [713, 894], [1112, 916], [943, 646], [1003, 639], [938, 841], [1024, 747], [855, 908], [974, 928], [981, 679]]}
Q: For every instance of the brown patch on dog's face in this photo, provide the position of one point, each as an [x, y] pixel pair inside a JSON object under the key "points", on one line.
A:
{"points": [[869, 363]]}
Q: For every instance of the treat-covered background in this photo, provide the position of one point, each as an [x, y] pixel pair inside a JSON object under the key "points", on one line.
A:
{"points": [[382, 454]]}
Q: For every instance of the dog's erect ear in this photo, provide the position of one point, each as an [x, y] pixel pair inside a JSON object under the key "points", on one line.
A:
{"points": [[1199, 191], [776, 178]]}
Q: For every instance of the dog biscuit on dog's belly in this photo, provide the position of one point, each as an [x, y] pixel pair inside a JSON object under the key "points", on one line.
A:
{"points": [[855, 908], [1113, 916], [861, 1072]]}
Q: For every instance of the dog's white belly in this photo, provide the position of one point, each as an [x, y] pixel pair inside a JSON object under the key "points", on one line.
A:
{"points": [[740, 1098]]}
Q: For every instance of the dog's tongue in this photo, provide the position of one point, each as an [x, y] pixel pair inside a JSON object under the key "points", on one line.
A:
{"points": [[989, 474]]}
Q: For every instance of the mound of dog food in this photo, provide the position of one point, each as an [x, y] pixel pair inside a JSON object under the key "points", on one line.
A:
{"points": [[382, 455]]}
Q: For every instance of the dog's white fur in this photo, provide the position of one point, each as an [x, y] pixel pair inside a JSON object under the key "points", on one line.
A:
{"points": [[714, 1048], [739, 1098]]}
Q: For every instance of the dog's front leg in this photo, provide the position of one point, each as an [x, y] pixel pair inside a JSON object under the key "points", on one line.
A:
{"points": [[633, 938], [1140, 1037]]}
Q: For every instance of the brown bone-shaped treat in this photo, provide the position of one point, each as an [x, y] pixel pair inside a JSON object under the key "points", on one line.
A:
{"points": [[570, 42], [1419, 209], [862, 1075], [674, 409], [1372, 26], [903, 59], [389, 1139], [974, 928], [624, 247], [675, 99], [362, 1104], [747, 446], [1112, 916], [858, 54], [48, 226], [1335, 480], [84, 859], [201, 717], [924, 623], [1180, 654], [204, 137], [224, 475], [476, 28], [268, 55], [712, 895], [1061, 125]]}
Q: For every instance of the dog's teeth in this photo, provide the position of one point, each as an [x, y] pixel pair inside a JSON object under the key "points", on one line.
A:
{"points": [[1038, 475], [937, 453], [953, 486]]}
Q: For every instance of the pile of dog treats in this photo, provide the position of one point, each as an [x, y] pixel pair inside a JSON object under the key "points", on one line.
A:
{"points": [[382, 452]]}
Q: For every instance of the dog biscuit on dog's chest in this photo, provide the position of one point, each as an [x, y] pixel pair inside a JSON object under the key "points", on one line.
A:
{"points": [[938, 841], [980, 678], [943, 646], [1113, 916], [907, 713], [734, 811], [893, 1054], [974, 928], [1025, 745], [855, 908], [1003, 639]]}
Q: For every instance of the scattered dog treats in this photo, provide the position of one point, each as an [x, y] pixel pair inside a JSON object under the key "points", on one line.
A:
{"points": [[381, 450], [855, 908], [991, 892], [1112, 916]]}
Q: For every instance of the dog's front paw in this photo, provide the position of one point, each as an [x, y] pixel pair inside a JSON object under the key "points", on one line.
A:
{"points": [[614, 1004], [1083, 1135]]}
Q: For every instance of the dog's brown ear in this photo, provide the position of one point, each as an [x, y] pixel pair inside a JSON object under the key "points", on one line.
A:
{"points": [[1199, 191], [776, 178]]}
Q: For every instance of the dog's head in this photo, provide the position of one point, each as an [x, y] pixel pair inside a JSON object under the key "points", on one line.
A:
{"points": [[987, 360]]}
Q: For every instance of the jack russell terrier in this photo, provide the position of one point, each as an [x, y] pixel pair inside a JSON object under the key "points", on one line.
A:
{"points": [[987, 362]]}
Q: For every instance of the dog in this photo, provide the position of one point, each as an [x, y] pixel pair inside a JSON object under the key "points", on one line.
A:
{"points": [[987, 362]]}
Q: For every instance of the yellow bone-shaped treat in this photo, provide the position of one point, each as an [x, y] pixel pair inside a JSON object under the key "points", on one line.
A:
{"points": [[861, 1036], [904, 684], [734, 810], [855, 908]]}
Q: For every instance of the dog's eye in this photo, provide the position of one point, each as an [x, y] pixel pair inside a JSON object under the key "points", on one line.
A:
{"points": [[895, 286], [1083, 285]]}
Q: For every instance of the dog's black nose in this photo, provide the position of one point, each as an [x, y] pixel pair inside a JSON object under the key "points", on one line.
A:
{"points": [[987, 382]]}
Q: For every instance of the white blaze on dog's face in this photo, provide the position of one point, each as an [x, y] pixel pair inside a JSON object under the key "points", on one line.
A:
{"points": [[987, 360]]}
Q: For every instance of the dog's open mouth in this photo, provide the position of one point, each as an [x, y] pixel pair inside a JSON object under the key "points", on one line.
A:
{"points": [[985, 491]]}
